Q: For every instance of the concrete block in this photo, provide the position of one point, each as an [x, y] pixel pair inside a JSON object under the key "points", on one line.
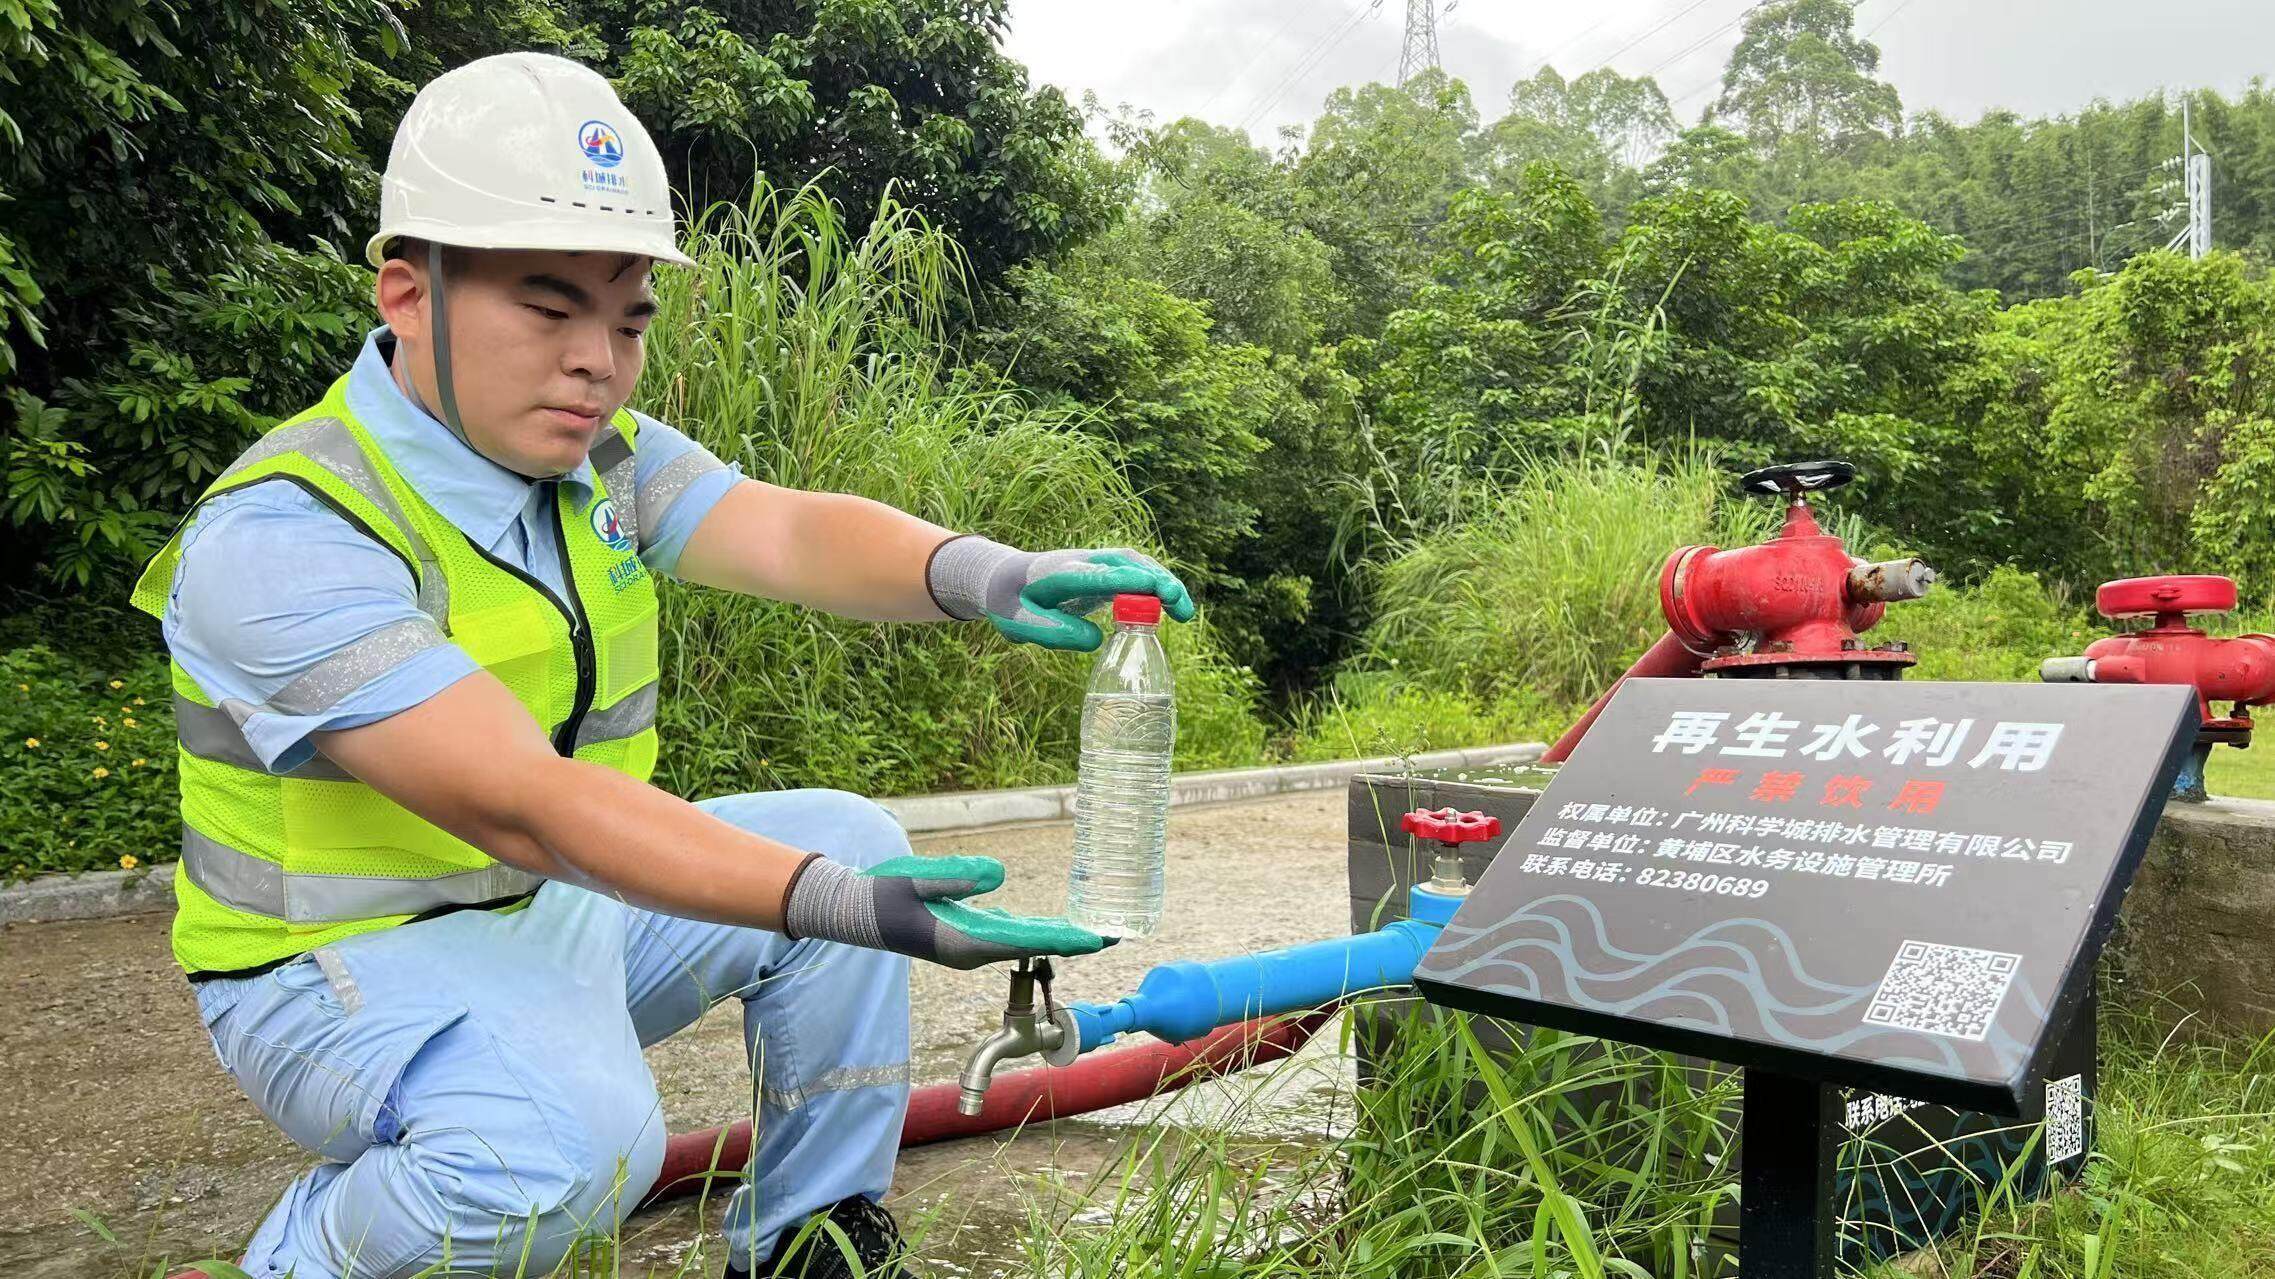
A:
{"points": [[94, 895], [2199, 923], [920, 813]]}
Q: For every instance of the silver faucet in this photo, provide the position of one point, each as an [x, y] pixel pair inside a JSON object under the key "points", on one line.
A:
{"points": [[1052, 1032]]}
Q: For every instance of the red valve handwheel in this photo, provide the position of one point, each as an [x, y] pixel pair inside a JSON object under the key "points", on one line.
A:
{"points": [[2179, 593], [1450, 826]]}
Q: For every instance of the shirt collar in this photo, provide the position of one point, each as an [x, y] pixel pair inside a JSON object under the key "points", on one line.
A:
{"points": [[476, 494]]}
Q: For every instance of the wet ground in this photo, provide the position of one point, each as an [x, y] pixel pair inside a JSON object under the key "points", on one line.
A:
{"points": [[122, 1145]]}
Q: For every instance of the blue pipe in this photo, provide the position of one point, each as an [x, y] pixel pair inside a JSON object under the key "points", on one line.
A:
{"points": [[1186, 1000]]}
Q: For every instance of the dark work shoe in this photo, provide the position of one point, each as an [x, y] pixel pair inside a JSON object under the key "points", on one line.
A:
{"points": [[876, 1240]]}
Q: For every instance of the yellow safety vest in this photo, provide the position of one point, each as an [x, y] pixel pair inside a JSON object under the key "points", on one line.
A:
{"points": [[275, 865]]}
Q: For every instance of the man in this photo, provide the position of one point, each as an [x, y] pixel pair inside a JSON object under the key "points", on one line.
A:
{"points": [[431, 908]]}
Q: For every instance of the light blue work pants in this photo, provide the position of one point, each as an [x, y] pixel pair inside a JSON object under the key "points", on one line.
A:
{"points": [[475, 1085]]}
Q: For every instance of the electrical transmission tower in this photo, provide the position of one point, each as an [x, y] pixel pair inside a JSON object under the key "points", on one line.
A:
{"points": [[1420, 52], [2196, 169]]}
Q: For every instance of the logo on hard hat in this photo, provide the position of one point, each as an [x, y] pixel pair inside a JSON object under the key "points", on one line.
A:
{"points": [[601, 143], [607, 527]]}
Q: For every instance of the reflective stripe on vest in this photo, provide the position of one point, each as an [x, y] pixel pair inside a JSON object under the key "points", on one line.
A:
{"points": [[218, 733], [328, 442], [275, 865], [633, 715], [257, 886]]}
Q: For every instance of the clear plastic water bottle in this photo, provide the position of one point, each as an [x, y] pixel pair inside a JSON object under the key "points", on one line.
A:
{"points": [[1121, 796]]}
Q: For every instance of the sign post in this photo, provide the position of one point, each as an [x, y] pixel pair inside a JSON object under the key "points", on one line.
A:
{"points": [[1890, 886], [1790, 1131]]}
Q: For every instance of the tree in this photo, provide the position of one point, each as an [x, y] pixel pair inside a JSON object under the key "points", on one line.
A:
{"points": [[1470, 374], [1599, 126], [167, 173], [1801, 74], [855, 94], [1706, 157], [2131, 427], [1382, 166], [184, 191], [1215, 220]]}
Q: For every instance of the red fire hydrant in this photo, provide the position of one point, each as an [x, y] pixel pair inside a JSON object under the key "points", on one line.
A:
{"points": [[2239, 669], [1790, 608]]}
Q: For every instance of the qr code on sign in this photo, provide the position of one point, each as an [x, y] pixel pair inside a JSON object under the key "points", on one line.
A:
{"points": [[2065, 1119], [1953, 991]]}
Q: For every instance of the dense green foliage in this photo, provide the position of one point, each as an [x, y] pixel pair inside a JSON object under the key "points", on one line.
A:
{"points": [[86, 745], [1415, 401], [812, 357], [185, 189]]}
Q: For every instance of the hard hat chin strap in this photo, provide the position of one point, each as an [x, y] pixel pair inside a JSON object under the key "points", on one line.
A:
{"points": [[446, 390], [445, 387]]}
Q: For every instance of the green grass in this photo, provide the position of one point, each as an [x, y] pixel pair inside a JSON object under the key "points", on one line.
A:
{"points": [[1570, 1158], [2244, 774], [810, 352], [1553, 587]]}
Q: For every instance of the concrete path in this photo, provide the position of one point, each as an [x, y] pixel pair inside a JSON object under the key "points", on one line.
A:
{"points": [[114, 1108]]}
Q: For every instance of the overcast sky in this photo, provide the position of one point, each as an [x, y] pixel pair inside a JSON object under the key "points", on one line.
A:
{"points": [[1267, 63]]}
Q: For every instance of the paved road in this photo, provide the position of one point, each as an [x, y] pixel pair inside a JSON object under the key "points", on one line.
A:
{"points": [[113, 1105]]}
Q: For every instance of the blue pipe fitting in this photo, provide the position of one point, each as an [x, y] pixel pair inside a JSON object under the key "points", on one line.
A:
{"points": [[1185, 1000], [1431, 906]]}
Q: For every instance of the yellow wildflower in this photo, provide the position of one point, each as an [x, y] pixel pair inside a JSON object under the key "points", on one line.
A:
{"points": [[32, 742], [138, 701], [128, 862], [135, 764], [102, 746], [100, 720], [118, 683], [102, 772], [130, 721]]}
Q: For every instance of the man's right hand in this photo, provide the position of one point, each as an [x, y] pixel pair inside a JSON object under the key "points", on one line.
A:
{"points": [[914, 906]]}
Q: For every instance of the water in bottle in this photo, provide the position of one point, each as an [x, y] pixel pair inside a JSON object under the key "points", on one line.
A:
{"points": [[1121, 797]]}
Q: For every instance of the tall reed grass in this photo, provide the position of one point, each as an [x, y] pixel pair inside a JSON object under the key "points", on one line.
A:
{"points": [[810, 353], [1551, 589]]}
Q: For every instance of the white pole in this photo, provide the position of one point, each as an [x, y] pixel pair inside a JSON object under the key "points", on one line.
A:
{"points": [[2200, 188]]}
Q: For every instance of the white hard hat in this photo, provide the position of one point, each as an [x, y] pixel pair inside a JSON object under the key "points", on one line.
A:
{"points": [[525, 151]]}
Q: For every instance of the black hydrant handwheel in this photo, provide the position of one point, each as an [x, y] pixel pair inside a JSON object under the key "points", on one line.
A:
{"points": [[1797, 478]]}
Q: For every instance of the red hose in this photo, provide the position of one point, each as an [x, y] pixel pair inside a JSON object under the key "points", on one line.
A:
{"points": [[1097, 1082], [1038, 1093], [1666, 658]]}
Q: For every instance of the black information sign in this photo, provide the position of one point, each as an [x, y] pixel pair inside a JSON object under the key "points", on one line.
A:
{"points": [[1896, 886]]}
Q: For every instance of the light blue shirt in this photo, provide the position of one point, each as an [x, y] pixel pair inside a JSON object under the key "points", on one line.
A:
{"points": [[272, 582]]}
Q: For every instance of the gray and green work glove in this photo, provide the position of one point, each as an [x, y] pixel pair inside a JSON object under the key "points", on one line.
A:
{"points": [[911, 905], [1039, 597]]}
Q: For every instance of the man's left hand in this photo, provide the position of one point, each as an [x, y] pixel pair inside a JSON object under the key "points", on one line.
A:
{"points": [[1040, 597]]}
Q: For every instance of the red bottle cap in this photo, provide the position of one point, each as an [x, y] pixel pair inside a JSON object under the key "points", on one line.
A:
{"points": [[1144, 609]]}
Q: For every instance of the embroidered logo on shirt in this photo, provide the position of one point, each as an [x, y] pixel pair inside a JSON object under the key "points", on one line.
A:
{"points": [[607, 527]]}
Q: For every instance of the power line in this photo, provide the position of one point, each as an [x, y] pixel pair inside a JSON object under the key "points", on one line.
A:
{"points": [[1310, 58], [1887, 18], [1566, 47], [1685, 12], [1262, 48], [1698, 44]]}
